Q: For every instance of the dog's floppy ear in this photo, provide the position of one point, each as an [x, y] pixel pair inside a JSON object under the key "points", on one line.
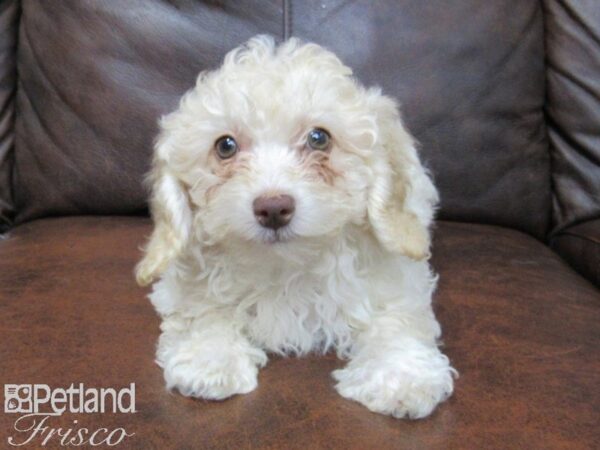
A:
{"points": [[402, 197], [172, 216]]}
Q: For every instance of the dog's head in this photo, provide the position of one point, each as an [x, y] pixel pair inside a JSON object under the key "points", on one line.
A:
{"points": [[282, 146]]}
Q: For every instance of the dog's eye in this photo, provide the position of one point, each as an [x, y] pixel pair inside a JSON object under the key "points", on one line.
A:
{"points": [[318, 139], [226, 147]]}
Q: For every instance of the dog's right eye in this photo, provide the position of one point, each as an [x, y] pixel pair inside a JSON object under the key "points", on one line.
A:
{"points": [[226, 147]]}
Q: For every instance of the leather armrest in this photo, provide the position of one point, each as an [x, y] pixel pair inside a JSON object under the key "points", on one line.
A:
{"points": [[579, 245]]}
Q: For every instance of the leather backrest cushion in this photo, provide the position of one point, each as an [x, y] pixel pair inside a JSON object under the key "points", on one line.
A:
{"points": [[470, 77], [573, 46], [9, 15], [96, 75]]}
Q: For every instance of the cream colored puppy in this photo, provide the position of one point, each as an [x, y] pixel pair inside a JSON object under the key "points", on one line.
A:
{"points": [[291, 215]]}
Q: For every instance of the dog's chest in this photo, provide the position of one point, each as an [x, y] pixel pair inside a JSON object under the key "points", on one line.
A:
{"points": [[303, 315]]}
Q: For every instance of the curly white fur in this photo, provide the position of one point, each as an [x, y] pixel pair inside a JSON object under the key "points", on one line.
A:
{"points": [[350, 270]]}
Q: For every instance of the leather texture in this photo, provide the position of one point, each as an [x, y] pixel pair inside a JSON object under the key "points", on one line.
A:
{"points": [[95, 76], [472, 92], [470, 78], [519, 325], [573, 108], [580, 246], [9, 20]]}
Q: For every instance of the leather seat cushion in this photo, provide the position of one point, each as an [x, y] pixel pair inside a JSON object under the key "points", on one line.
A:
{"points": [[520, 326]]}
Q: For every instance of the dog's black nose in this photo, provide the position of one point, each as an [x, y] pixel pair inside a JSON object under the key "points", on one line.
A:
{"points": [[274, 211]]}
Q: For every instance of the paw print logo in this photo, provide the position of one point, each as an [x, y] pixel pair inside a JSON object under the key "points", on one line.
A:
{"points": [[17, 398]]}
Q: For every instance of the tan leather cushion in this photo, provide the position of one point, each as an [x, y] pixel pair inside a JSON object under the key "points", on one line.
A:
{"points": [[519, 325], [95, 76]]}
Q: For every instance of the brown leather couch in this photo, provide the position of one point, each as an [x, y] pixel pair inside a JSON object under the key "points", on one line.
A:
{"points": [[504, 97]]}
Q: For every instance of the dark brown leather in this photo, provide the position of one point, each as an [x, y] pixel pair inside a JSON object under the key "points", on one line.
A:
{"points": [[580, 246], [9, 20], [573, 107], [470, 77], [519, 325], [95, 77]]}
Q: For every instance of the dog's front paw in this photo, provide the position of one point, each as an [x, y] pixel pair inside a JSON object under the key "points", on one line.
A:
{"points": [[213, 375], [397, 386]]}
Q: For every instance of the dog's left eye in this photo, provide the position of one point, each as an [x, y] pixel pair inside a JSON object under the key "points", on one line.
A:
{"points": [[318, 139], [226, 147]]}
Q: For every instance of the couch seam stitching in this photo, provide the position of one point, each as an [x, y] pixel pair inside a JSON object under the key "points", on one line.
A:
{"points": [[286, 20]]}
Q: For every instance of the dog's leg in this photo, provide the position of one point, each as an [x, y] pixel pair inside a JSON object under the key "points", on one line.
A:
{"points": [[206, 357], [396, 367]]}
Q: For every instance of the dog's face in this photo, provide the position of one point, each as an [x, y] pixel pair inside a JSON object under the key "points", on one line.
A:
{"points": [[280, 147], [275, 148]]}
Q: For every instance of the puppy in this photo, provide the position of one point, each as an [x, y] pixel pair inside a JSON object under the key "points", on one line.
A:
{"points": [[291, 215]]}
